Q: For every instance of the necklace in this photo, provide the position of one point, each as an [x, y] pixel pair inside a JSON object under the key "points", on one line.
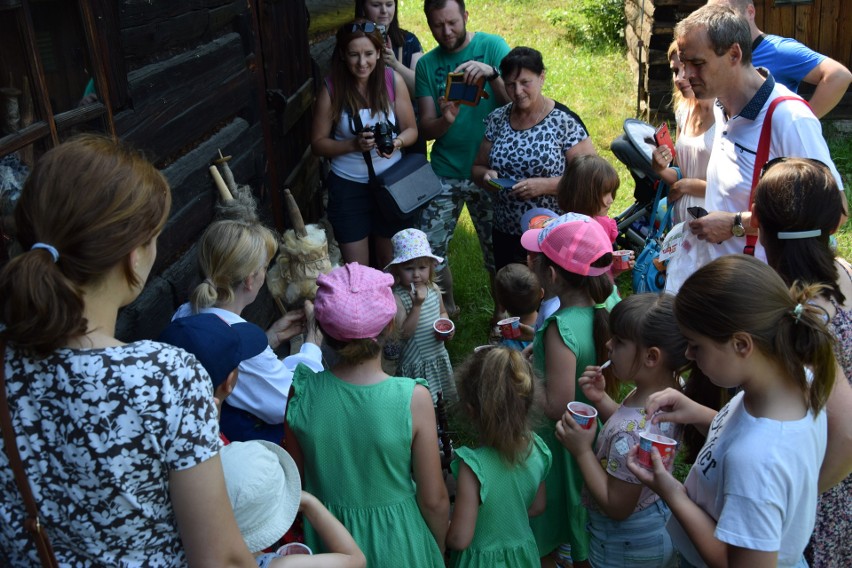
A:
{"points": [[538, 119]]}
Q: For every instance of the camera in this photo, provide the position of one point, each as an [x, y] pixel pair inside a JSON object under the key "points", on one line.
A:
{"points": [[383, 134]]}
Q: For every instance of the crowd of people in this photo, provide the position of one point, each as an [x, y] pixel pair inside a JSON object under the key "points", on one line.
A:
{"points": [[206, 448]]}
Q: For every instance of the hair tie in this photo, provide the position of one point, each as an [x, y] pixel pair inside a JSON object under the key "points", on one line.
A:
{"points": [[792, 235], [600, 306], [208, 281], [52, 250], [797, 312]]}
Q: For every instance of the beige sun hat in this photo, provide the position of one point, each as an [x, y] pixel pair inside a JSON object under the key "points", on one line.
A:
{"points": [[264, 488]]}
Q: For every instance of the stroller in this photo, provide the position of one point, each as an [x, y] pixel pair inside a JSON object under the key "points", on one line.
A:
{"points": [[633, 149]]}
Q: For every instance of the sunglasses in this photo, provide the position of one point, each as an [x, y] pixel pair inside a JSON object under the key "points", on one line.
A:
{"points": [[366, 27], [781, 159]]}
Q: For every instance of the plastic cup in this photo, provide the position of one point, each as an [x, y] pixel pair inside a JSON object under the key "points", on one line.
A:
{"points": [[666, 446], [294, 548], [510, 328], [443, 328], [584, 415], [621, 259]]}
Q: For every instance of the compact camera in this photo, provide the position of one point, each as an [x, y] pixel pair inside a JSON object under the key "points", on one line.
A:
{"points": [[383, 134]]}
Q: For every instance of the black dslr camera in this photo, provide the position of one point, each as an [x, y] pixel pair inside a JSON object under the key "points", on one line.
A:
{"points": [[383, 134]]}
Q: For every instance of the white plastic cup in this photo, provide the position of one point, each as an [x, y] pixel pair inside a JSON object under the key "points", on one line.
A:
{"points": [[294, 548], [510, 328], [443, 328], [666, 446], [584, 415], [621, 259]]}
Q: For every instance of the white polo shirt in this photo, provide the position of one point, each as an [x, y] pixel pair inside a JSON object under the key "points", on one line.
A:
{"points": [[796, 133]]}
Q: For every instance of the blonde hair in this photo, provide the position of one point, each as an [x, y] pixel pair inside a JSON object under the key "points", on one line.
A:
{"points": [[394, 269], [229, 252], [497, 386]]}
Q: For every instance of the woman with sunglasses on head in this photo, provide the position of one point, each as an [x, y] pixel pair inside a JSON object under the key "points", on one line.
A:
{"points": [[798, 207], [402, 48], [363, 113]]}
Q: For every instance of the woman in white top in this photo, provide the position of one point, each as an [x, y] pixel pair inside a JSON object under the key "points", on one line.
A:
{"points": [[233, 255], [696, 128], [360, 81]]}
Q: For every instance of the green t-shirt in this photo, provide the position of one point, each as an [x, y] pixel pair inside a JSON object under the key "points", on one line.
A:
{"points": [[453, 153]]}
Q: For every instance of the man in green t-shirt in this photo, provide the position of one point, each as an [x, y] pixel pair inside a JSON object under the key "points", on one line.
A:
{"points": [[457, 129]]}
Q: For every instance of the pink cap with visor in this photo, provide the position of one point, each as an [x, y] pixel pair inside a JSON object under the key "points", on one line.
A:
{"points": [[572, 241], [354, 302]]}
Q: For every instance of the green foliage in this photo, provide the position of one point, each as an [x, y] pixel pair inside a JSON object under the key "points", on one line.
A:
{"points": [[593, 24]]}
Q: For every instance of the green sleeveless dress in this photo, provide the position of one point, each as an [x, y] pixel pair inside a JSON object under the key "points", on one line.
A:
{"points": [[356, 443], [503, 538]]}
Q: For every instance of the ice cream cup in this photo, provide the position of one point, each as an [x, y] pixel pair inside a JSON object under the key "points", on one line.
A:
{"points": [[621, 259], [666, 446], [294, 548], [443, 328], [584, 415], [510, 328]]}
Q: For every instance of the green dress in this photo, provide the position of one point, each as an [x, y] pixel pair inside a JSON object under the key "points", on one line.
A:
{"points": [[356, 444], [503, 538], [564, 520]]}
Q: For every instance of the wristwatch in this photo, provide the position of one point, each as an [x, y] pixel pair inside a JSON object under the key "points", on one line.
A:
{"points": [[738, 230], [494, 74]]}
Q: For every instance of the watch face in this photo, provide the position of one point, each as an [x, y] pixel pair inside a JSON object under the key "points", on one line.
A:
{"points": [[738, 230]]}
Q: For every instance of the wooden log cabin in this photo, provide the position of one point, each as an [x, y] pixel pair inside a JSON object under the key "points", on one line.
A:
{"points": [[179, 80], [823, 25]]}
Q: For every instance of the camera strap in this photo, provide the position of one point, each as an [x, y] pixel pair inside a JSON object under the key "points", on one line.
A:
{"points": [[359, 126]]}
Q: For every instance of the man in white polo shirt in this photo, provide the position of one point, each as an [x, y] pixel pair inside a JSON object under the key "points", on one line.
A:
{"points": [[714, 45]]}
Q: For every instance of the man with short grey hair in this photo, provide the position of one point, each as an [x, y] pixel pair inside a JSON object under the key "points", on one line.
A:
{"points": [[714, 46]]}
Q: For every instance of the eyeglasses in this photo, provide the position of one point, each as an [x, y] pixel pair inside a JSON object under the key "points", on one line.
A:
{"points": [[781, 159], [366, 27]]}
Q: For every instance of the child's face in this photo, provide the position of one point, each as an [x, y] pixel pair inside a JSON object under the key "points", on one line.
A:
{"points": [[415, 271], [623, 353], [718, 361], [605, 205]]}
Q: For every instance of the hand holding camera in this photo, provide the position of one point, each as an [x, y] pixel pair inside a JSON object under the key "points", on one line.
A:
{"points": [[382, 135]]}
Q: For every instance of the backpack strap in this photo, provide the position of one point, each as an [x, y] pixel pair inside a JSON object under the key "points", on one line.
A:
{"points": [[760, 160]]}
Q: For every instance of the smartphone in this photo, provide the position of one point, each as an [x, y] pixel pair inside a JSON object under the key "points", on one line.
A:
{"points": [[697, 212], [458, 90], [501, 183], [663, 138]]}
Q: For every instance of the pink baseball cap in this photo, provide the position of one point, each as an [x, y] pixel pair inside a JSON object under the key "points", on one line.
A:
{"points": [[354, 302], [572, 241]]}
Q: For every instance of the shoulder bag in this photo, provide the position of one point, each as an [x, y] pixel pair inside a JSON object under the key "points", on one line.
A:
{"points": [[31, 522], [404, 188]]}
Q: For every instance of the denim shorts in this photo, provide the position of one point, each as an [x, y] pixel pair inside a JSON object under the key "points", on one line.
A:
{"points": [[641, 540]]}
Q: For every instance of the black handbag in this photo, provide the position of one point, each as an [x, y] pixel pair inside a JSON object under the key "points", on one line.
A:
{"points": [[404, 188]]}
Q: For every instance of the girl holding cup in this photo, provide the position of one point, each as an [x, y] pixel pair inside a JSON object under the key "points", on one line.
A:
{"points": [[576, 260], [419, 305], [647, 349], [750, 498]]}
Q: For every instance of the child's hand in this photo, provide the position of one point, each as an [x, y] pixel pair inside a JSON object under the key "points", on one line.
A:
{"points": [[418, 294], [660, 481], [593, 384], [575, 439], [671, 405]]}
